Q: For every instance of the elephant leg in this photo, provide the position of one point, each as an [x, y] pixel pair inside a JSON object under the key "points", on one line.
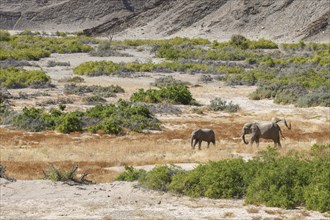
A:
{"points": [[255, 139], [208, 144], [252, 140], [199, 144], [277, 141], [195, 142]]}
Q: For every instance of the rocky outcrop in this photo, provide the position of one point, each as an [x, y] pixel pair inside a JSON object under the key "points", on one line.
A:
{"points": [[280, 20]]}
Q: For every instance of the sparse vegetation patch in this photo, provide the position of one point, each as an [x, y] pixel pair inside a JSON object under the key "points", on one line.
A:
{"points": [[17, 78], [112, 119], [285, 182]]}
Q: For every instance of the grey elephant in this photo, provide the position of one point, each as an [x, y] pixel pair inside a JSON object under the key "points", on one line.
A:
{"points": [[266, 130], [200, 135]]}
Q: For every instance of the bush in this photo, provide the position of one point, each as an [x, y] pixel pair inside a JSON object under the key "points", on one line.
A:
{"points": [[285, 182], [131, 174], [279, 183], [96, 68], [27, 46], [107, 48], [110, 126], [4, 35], [32, 119], [53, 63], [317, 193], [319, 97], [218, 104], [55, 174], [159, 177], [75, 79], [17, 78], [289, 94], [167, 81], [69, 122], [113, 119], [101, 91], [93, 100], [222, 179], [239, 41], [179, 94]]}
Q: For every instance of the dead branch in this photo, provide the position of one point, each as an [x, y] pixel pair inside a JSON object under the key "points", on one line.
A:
{"points": [[72, 181], [3, 175]]}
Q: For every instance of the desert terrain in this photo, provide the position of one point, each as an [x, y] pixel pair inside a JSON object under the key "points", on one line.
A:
{"points": [[27, 154]]}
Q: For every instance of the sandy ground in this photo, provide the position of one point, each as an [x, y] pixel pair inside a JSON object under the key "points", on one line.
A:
{"points": [[32, 198], [40, 199]]}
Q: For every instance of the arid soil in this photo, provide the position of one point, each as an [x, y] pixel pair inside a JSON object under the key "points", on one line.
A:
{"points": [[39, 199], [26, 155]]}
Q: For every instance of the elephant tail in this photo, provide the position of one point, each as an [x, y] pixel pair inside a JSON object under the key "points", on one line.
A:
{"points": [[282, 134], [192, 140]]}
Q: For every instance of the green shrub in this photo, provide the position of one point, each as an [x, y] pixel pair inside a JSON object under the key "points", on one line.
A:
{"points": [[131, 174], [112, 119], [110, 126], [73, 80], [317, 193], [33, 119], [31, 47], [69, 122], [101, 91], [4, 35], [55, 174], [178, 94], [239, 41], [96, 68], [320, 151], [159, 177], [262, 44], [279, 183], [108, 48], [270, 179], [319, 97], [167, 81], [93, 100], [289, 94], [222, 179], [53, 63], [218, 104], [17, 78]]}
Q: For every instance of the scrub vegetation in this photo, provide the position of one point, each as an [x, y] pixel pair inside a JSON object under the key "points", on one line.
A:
{"points": [[270, 179]]}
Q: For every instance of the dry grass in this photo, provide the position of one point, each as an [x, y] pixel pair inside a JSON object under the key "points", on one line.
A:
{"points": [[26, 154]]}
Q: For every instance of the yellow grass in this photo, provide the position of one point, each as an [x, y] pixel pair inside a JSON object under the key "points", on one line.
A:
{"points": [[26, 154]]}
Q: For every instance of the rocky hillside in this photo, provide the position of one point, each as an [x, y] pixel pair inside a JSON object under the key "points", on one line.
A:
{"points": [[279, 20]]}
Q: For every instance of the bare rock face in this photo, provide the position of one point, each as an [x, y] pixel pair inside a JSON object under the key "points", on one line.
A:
{"points": [[280, 20]]}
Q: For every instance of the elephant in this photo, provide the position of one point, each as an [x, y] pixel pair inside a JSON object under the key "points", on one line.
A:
{"points": [[266, 130], [200, 135]]}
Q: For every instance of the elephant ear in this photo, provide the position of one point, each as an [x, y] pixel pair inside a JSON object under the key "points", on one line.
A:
{"points": [[255, 128], [247, 125]]}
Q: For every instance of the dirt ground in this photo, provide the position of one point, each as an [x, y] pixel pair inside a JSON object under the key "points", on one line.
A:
{"points": [[27, 154]]}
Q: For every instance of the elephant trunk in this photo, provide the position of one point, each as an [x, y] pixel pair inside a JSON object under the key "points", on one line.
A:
{"points": [[243, 137]]}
